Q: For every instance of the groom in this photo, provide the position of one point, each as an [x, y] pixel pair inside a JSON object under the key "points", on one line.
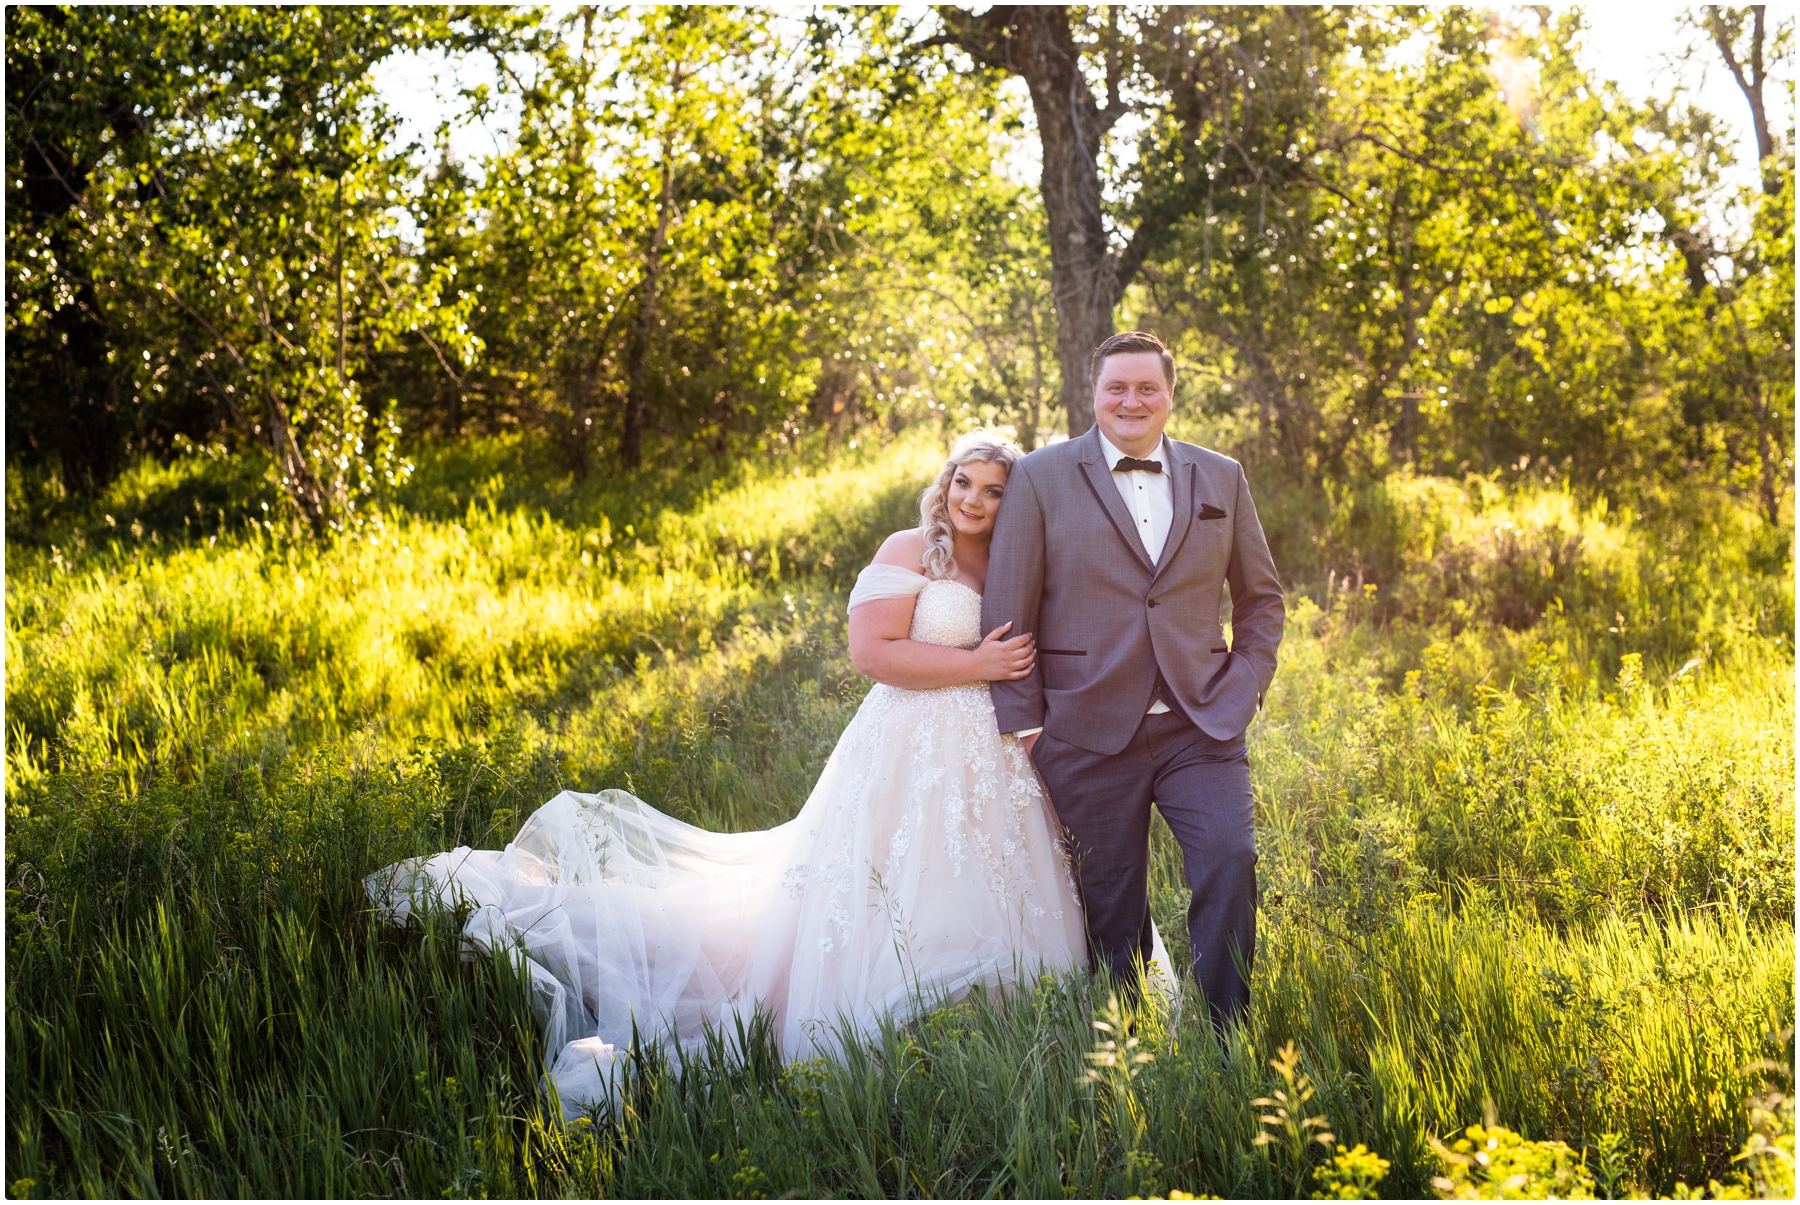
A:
{"points": [[1114, 548]]}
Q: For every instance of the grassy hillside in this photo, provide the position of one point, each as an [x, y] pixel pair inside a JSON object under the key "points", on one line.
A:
{"points": [[1525, 794]]}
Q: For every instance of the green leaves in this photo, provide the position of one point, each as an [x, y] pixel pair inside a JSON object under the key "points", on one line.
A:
{"points": [[1376, 238], [757, 236], [227, 228], [1462, 261]]}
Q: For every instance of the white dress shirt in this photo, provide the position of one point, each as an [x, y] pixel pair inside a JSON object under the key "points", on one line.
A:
{"points": [[1150, 501], [1149, 498]]}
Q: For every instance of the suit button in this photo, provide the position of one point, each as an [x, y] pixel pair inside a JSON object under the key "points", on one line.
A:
{"points": [[1153, 602]]}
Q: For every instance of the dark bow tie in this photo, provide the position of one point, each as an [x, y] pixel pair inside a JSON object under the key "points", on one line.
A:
{"points": [[1128, 465]]}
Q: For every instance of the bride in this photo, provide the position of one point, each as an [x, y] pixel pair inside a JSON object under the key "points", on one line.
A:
{"points": [[925, 862]]}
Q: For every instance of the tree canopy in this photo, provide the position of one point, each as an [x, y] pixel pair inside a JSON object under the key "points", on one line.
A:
{"points": [[1376, 237]]}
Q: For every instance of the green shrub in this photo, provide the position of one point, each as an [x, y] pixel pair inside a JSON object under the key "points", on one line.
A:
{"points": [[1666, 578]]}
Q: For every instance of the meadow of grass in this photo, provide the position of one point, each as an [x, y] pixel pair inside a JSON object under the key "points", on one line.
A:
{"points": [[1525, 802]]}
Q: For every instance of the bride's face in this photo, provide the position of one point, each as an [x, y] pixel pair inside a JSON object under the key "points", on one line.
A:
{"points": [[974, 497]]}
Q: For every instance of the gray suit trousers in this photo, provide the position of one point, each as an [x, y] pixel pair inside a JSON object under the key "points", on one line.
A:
{"points": [[1201, 785]]}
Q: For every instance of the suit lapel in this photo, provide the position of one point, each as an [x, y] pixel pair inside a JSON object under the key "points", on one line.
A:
{"points": [[1093, 465], [1181, 482]]}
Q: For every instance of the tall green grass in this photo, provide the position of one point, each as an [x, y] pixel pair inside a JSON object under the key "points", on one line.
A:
{"points": [[1534, 865], [523, 603]]}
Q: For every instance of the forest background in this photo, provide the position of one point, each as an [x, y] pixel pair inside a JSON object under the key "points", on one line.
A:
{"points": [[361, 494]]}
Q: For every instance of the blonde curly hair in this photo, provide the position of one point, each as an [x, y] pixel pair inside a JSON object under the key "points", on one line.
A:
{"points": [[939, 559]]}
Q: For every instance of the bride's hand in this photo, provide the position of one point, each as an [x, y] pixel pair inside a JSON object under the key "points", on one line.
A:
{"points": [[998, 660]]}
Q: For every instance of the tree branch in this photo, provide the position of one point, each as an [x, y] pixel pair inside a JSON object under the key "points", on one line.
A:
{"points": [[1149, 232], [1751, 87]]}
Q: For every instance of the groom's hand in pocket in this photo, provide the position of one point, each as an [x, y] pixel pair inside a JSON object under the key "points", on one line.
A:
{"points": [[1003, 660], [1030, 742]]}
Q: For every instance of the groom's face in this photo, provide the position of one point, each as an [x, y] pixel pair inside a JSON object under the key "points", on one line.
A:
{"points": [[1132, 401]]}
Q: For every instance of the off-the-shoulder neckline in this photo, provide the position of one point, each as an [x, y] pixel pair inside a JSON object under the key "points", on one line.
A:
{"points": [[899, 568], [928, 580]]}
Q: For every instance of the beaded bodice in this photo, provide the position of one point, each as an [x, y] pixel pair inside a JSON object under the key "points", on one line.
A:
{"points": [[947, 613]]}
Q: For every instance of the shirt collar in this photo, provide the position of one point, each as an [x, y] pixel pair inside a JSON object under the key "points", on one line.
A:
{"points": [[1113, 455]]}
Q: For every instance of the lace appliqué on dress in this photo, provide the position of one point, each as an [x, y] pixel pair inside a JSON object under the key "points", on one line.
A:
{"points": [[954, 796]]}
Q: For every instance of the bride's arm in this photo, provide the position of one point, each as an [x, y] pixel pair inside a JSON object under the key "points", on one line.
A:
{"points": [[880, 648]]}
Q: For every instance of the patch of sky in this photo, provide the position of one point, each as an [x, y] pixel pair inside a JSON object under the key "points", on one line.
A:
{"points": [[1644, 49], [460, 94]]}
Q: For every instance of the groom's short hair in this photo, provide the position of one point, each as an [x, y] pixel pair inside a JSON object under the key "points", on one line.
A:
{"points": [[1126, 343]]}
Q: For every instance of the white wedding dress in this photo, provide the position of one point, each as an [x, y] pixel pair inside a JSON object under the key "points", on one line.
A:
{"points": [[925, 862]]}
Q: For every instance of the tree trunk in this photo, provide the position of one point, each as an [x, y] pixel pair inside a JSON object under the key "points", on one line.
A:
{"points": [[579, 381], [637, 395], [1029, 436], [1083, 279], [1771, 492], [582, 370], [1755, 387], [339, 486], [1402, 436], [303, 486], [1695, 254], [343, 383], [1035, 43], [833, 397]]}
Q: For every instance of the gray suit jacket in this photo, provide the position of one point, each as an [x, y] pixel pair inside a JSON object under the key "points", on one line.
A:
{"points": [[1067, 565]]}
